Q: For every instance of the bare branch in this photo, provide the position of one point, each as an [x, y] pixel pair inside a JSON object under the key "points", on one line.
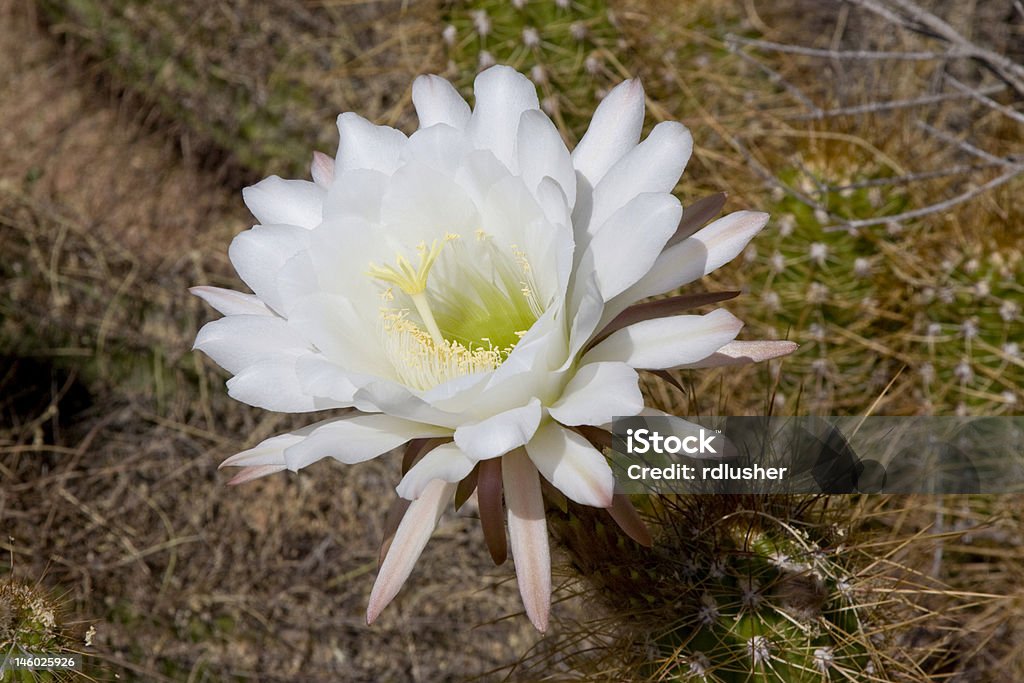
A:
{"points": [[975, 99], [909, 178], [875, 107], [920, 20], [964, 145], [932, 208], [776, 77], [979, 95], [842, 54]]}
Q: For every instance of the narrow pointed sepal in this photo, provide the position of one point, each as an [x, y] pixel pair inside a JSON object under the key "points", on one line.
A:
{"points": [[667, 376], [413, 533], [322, 169], [601, 439], [416, 449], [628, 519], [492, 518], [466, 487], [696, 215], [659, 308], [528, 534], [743, 352], [247, 474], [553, 496], [394, 517]]}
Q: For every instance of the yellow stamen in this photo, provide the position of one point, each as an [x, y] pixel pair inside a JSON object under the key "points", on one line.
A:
{"points": [[424, 363]]}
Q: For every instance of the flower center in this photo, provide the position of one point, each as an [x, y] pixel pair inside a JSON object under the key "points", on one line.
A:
{"points": [[459, 311]]}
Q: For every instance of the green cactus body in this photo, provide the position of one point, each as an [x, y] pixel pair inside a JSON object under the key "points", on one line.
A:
{"points": [[562, 46], [865, 303], [728, 593], [30, 623]]}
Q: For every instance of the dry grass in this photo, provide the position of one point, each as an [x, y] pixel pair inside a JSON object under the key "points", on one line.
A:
{"points": [[119, 171]]}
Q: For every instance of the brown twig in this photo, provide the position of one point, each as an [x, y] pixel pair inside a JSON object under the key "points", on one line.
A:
{"points": [[1012, 173], [915, 18]]}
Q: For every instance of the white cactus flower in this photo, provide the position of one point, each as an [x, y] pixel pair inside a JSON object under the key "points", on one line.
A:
{"points": [[471, 292]]}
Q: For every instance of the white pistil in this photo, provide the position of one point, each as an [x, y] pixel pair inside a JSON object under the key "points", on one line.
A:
{"points": [[413, 281], [410, 280], [423, 308]]}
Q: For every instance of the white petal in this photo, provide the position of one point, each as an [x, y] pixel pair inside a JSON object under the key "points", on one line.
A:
{"points": [[614, 130], [437, 101], [238, 341], [652, 166], [581, 213], [479, 172], [258, 255], [339, 332], [743, 352], [271, 451], [275, 201], [542, 153], [441, 147], [273, 385], [268, 452], [502, 95], [388, 397], [668, 342], [588, 307], [553, 203], [365, 145], [500, 433], [410, 539], [358, 193], [319, 376], [699, 254], [322, 169], [528, 535], [598, 392], [446, 462], [297, 280], [448, 394], [551, 242], [357, 439], [422, 204], [573, 465], [512, 215], [230, 302], [629, 242], [338, 258]]}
